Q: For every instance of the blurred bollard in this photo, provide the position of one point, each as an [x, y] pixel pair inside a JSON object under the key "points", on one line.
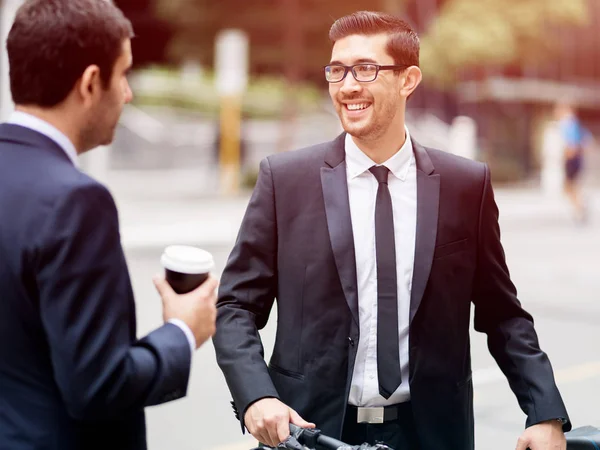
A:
{"points": [[230, 136], [231, 76], [552, 161], [463, 137], [8, 10]]}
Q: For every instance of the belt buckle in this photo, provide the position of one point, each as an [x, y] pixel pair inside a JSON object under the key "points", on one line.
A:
{"points": [[370, 415]]}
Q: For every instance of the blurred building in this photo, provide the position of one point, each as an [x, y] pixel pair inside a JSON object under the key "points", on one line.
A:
{"points": [[509, 104], [152, 33], [513, 104]]}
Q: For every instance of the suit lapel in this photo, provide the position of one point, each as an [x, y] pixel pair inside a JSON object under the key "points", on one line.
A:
{"points": [[428, 199], [339, 222]]}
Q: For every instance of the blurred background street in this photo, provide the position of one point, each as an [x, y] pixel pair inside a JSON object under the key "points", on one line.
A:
{"points": [[494, 71]]}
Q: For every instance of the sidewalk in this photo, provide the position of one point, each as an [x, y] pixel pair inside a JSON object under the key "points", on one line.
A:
{"points": [[159, 209], [157, 223]]}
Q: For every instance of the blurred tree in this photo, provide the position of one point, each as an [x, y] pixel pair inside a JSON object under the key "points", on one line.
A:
{"points": [[197, 22], [494, 33], [457, 35]]}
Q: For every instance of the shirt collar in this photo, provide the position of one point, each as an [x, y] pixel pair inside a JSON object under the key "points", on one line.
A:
{"points": [[43, 127], [358, 162]]}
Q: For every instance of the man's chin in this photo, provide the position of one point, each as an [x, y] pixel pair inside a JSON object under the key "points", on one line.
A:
{"points": [[355, 131], [355, 125], [108, 140]]}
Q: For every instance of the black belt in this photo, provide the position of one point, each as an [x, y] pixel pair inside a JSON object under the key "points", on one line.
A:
{"points": [[378, 414]]}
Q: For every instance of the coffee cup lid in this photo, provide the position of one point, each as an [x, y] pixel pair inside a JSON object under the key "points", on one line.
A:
{"points": [[187, 259]]}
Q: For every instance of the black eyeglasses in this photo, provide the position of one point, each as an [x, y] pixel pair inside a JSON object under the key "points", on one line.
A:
{"points": [[334, 73]]}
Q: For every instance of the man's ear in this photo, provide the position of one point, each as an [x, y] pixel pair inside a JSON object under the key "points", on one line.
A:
{"points": [[89, 85], [411, 79]]}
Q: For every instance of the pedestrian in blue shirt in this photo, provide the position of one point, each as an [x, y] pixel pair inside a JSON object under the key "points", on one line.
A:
{"points": [[574, 137]]}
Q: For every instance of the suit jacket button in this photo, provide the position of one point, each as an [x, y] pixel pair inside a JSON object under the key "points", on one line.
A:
{"points": [[351, 341]]}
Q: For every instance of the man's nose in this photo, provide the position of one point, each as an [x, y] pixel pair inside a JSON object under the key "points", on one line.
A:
{"points": [[349, 84], [128, 93]]}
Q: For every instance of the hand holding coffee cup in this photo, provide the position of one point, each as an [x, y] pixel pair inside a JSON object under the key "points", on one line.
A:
{"points": [[188, 291], [186, 267]]}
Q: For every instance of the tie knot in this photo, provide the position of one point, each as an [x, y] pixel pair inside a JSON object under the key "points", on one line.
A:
{"points": [[381, 173]]}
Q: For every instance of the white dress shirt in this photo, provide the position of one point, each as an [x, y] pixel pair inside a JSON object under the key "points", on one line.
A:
{"points": [[362, 192], [41, 126]]}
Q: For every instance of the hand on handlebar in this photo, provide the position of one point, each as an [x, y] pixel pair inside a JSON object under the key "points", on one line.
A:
{"points": [[268, 420], [543, 436]]}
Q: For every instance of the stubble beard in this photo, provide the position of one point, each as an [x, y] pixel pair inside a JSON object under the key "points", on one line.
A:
{"points": [[109, 136], [368, 130], [97, 134], [101, 131]]}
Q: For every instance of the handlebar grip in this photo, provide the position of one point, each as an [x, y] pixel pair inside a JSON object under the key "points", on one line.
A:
{"points": [[331, 443], [323, 441], [581, 443]]}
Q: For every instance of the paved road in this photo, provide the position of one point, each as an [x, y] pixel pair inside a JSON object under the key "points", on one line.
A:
{"points": [[552, 261]]}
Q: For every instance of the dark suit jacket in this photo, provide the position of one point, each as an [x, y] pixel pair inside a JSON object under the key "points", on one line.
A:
{"points": [[296, 245], [72, 373]]}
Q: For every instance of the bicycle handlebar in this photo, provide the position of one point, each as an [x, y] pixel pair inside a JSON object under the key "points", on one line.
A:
{"points": [[312, 438], [583, 438]]}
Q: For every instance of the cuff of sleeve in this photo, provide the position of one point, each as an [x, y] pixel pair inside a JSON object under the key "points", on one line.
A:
{"points": [[188, 333]]}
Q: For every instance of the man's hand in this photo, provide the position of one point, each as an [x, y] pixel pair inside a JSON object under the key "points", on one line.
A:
{"points": [[197, 308], [543, 436], [268, 420]]}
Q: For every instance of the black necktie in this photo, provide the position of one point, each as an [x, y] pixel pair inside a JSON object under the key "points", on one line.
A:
{"points": [[388, 353]]}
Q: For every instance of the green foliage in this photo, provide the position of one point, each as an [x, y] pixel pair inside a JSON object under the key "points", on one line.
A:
{"points": [[465, 34], [470, 33], [265, 96]]}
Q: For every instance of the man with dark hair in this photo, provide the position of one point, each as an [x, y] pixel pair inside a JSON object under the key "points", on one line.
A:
{"points": [[73, 375], [374, 248]]}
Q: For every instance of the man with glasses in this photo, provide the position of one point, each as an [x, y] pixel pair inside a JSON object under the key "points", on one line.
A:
{"points": [[375, 247]]}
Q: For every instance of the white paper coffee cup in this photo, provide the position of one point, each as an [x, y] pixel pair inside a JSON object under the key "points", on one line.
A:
{"points": [[186, 267]]}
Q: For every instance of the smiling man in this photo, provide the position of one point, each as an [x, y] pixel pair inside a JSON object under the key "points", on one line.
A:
{"points": [[375, 249]]}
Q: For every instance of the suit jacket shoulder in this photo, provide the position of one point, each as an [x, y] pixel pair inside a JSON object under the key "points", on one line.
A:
{"points": [[445, 162], [36, 172], [459, 176], [300, 158]]}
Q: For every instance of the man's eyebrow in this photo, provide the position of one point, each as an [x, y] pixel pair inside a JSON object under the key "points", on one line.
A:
{"points": [[358, 61]]}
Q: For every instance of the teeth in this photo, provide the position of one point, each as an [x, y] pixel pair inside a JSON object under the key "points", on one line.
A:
{"points": [[357, 107]]}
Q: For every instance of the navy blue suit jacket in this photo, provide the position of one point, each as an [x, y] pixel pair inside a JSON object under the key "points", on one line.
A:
{"points": [[73, 375]]}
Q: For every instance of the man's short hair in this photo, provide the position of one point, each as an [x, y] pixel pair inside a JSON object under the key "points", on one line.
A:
{"points": [[403, 45], [52, 42]]}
